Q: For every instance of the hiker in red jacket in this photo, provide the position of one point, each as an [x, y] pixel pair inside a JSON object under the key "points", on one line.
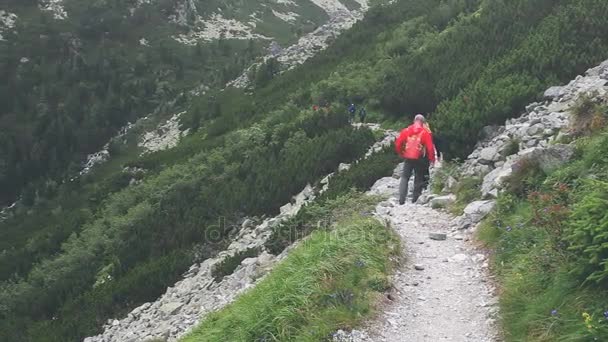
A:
{"points": [[414, 144]]}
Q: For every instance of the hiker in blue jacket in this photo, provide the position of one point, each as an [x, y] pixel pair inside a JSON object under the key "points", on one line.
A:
{"points": [[352, 110]]}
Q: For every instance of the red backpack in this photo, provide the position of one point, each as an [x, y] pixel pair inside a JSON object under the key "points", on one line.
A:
{"points": [[413, 147]]}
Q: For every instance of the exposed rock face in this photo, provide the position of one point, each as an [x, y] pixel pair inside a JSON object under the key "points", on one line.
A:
{"points": [[7, 22], [55, 7], [199, 293], [165, 136], [307, 46], [533, 134]]}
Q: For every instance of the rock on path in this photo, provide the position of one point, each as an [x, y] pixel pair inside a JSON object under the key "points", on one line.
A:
{"points": [[441, 291]]}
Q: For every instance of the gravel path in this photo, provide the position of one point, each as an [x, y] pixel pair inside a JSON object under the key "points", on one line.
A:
{"points": [[441, 291]]}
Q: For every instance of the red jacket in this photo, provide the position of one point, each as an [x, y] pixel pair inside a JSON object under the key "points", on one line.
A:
{"points": [[426, 139]]}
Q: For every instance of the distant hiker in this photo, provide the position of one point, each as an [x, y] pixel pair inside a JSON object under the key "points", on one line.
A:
{"points": [[414, 144], [362, 115], [352, 110]]}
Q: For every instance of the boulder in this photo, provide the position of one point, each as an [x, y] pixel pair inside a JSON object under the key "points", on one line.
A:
{"points": [[425, 198], [536, 129], [489, 155], [476, 211], [442, 201], [552, 157], [554, 92], [494, 179], [386, 186], [343, 167], [171, 308]]}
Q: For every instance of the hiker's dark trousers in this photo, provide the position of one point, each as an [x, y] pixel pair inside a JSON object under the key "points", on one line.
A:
{"points": [[416, 166]]}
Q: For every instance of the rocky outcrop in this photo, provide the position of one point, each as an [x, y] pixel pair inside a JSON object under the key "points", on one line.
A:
{"points": [[8, 21], [534, 134], [187, 302], [308, 45], [165, 136], [55, 7]]}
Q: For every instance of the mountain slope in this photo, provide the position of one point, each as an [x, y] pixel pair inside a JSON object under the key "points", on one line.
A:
{"points": [[77, 72], [119, 236]]}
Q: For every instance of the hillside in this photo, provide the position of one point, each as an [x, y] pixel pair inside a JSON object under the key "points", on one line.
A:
{"points": [[80, 249], [76, 73]]}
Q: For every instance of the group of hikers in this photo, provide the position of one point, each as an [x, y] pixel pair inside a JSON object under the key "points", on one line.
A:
{"points": [[417, 146], [352, 111]]}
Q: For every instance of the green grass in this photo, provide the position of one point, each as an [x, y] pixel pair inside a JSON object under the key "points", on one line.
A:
{"points": [[330, 281], [467, 190], [543, 280]]}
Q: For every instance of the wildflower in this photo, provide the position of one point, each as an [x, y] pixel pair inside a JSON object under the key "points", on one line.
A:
{"points": [[554, 312], [588, 319], [606, 314], [360, 263], [509, 228]]}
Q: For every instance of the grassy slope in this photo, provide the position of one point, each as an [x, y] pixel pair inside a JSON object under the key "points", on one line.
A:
{"points": [[542, 275], [330, 281]]}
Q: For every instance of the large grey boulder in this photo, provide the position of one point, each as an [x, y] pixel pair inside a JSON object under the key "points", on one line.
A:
{"points": [[552, 157], [536, 129], [554, 92], [495, 179], [171, 308], [477, 210], [489, 155], [387, 186], [442, 201]]}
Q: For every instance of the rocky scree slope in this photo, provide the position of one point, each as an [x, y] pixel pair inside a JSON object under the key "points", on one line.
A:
{"points": [[536, 135], [184, 305]]}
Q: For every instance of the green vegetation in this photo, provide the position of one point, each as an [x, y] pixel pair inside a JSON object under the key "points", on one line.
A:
{"points": [[467, 190], [227, 266], [321, 213], [549, 235], [330, 281], [441, 178], [363, 174], [172, 209], [96, 242]]}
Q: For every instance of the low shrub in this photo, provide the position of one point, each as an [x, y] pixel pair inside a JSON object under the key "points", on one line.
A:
{"points": [[588, 232], [511, 148], [467, 190], [321, 214], [443, 174], [590, 114], [228, 265], [526, 177]]}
